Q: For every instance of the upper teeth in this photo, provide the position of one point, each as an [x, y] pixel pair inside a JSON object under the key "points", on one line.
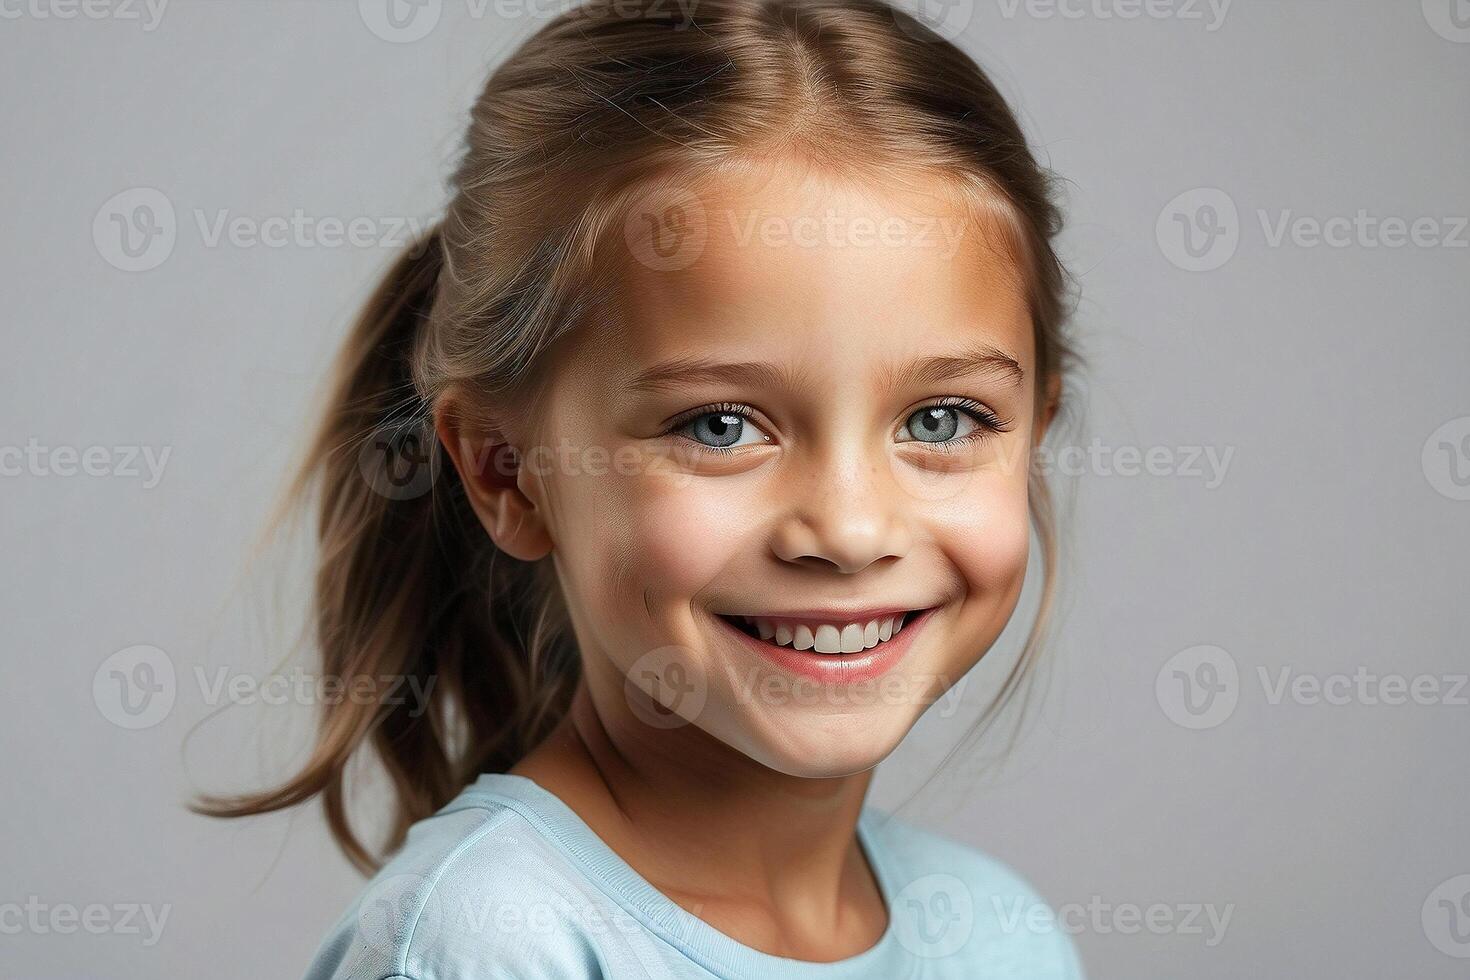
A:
{"points": [[827, 638]]}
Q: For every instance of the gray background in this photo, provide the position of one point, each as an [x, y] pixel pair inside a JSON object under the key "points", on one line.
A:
{"points": [[1335, 542]]}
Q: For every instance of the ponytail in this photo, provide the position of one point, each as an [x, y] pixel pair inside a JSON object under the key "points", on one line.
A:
{"points": [[411, 599]]}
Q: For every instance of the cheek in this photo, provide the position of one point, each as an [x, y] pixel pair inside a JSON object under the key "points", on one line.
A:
{"points": [[989, 540], [686, 535], [655, 539]]}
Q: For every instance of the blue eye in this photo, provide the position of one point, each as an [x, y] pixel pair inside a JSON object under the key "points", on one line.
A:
{"points": [[721, 431], [952, 421], [721, 427], [934, 424]]}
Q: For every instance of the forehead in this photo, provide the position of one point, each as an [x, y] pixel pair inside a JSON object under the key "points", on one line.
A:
{"points": [[838, 273]]}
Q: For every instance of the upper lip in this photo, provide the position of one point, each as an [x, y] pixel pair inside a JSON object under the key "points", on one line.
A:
{"points": [[833, 615]]}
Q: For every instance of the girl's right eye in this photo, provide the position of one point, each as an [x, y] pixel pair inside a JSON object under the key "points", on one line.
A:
{"points": [[721, 428]]}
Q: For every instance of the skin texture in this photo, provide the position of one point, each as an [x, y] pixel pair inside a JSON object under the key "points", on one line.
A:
{"points": [[829, 498]]}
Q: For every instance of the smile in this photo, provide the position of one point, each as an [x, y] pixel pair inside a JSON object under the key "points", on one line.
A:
{"points": [[831, 648], [831, 636]]}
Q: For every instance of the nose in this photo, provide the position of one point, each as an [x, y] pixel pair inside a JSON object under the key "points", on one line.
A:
{"points": [[845, 512]]}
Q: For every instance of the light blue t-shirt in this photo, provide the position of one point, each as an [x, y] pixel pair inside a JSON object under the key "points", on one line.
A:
{"points": [[506, 882]]}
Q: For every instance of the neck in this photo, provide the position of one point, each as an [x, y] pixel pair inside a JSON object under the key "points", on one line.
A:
{"points": [[701, 821]]}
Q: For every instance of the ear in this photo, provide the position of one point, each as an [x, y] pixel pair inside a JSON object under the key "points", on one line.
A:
{"points": [[490, 468]]}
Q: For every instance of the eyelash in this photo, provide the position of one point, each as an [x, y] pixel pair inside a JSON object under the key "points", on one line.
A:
{"points": [[988, 421]]}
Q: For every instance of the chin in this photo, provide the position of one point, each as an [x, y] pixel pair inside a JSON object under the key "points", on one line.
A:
{"points": [[815, 741]]}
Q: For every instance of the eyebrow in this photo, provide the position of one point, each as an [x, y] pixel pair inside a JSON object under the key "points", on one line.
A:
{"points": [[685, 372], [981, 359], [689, 371]]}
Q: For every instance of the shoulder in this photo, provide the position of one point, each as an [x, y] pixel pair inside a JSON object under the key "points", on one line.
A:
{"points": [[955, 905], [476, 891]]}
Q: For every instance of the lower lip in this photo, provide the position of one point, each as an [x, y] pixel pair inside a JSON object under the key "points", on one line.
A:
{"points": [[836, 668]]}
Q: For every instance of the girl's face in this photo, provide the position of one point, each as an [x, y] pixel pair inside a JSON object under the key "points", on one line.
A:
{"points": [[814, 418]]}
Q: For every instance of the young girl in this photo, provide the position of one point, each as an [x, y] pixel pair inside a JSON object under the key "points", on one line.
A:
{"points": [[682, 468]]}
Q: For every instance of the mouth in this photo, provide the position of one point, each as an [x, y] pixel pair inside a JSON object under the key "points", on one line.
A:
{"points": [[827, 636], [828, 649]]}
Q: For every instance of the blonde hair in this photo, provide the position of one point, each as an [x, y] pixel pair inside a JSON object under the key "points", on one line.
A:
{"points": [[609, 98]]}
